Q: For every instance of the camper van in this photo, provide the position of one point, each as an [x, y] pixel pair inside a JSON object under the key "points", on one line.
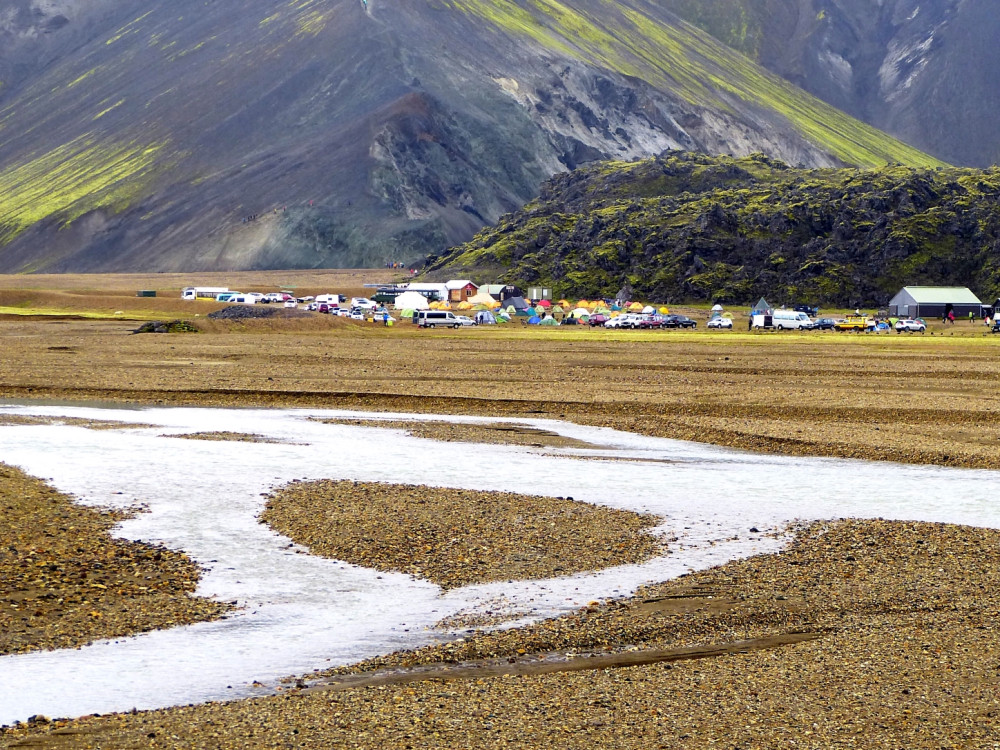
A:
{"points": [[202, 292], [782, 319], [435, 318]]}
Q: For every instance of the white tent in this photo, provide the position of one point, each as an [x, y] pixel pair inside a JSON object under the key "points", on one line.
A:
{"points": [[482, 298], [411, 301], [716, 308], [648, 309]]}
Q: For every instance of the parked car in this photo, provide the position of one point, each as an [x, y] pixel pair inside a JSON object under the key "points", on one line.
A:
{"points": [[291, 303], [364, 303], [357, 314], [465, 320], [594, 321], [650, 320], [910, 325], [823, 324], [812, 312], [622, 321], [679, 321], [720, 322]]}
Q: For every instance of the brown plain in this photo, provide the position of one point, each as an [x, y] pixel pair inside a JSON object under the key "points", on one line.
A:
{"points": [[904, 613]]}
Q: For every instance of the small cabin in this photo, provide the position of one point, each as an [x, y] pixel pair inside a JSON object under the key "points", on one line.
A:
{"points": [[460, 290]]}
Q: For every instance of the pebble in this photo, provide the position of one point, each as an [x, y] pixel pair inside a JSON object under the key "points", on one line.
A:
{"points": [[456, 537]]}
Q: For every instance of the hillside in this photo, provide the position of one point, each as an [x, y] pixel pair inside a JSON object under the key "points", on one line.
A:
{"points": [[684, 227], [923, 71], [332, 133]]}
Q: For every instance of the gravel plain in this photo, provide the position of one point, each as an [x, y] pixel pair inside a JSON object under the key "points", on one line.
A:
{"points": [[64, 581], [457, 537], [898, 619]]}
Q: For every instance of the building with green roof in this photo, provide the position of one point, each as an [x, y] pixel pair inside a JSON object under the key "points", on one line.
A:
{"points": [[935, 302]]}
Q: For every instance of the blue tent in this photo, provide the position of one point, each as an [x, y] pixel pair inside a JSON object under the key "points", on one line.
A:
{"points": [[534, 320]]}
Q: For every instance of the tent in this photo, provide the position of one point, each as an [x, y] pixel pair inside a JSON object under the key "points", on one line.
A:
{"points": [[518, 303], [648, 309], [534, 320], [762, 306], [411, 301], [548, 320], [485, 317], [716, 308], [635, 307], [407, 313], [580, 312], [482, 298], [464, 306], [664, 310]]}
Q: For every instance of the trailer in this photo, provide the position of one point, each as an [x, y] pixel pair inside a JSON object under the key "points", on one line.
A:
{"points": [[203, 292]]}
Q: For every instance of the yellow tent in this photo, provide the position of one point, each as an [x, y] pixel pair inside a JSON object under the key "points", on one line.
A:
{"points": [[464, 306], [664, 311], [635, 307], [582, 303]]}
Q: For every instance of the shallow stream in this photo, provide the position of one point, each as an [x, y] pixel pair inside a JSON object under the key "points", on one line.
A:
{"points": [[299, 612]]}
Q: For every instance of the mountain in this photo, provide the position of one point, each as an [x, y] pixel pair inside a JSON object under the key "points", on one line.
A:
{"points": [[923, 70], [685, 226], [225, 134]]}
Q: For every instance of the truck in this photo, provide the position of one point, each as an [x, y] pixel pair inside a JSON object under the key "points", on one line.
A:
{"points": [[860, 323], [203, 292], [781, 319]]}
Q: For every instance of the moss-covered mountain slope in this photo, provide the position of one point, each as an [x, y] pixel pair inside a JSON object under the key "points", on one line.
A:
{"points": [[685, 226], [189, 135]]}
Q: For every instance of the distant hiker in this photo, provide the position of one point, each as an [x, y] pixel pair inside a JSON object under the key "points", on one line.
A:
{"points": [[951, 317], [385, 318]]}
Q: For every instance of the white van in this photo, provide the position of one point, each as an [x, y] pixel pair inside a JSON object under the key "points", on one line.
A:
{"points": [[435, 318], [242, 299], [782, 319], [327, 299]]}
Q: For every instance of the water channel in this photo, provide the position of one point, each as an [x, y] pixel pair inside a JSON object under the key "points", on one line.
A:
{"points": [[298, 612]]}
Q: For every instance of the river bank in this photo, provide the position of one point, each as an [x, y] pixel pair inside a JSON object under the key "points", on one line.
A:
{"points": [[901, 615]]}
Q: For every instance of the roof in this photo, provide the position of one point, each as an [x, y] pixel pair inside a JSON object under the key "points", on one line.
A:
{"points": [[940, 295], [425, 287], [459, 284]]}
